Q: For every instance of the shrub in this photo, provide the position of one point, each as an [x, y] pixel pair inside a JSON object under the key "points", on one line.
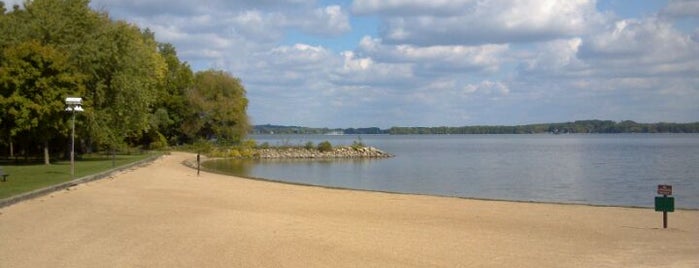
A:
{"points": [[309, 145], [203, 146], [358, 144], [160, 142], [325, 146], [249, 143]]}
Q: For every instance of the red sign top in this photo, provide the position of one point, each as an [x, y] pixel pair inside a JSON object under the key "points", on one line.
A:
{"points": [[664, 189]]}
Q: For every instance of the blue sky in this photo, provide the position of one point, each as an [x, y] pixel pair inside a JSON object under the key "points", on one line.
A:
{"points": [[390, 63]]}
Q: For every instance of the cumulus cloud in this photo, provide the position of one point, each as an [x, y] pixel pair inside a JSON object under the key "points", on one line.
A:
{"points": [[644, 47], [357, 70], [682, 8], [487, 87], [410, 7], [440, 62], [336, 21], [481, 22], [436, 58], [555, 56]]}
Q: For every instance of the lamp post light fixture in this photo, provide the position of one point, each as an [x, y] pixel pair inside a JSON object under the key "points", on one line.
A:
{"points": [[73, 105]]}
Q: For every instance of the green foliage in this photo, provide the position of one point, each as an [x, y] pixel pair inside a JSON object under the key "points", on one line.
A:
{"points": [[34, 78], [325, 146], [158, 141], [358, 144], [172, 101], [309, 145], [221, 105], [203, 146], [135, 90], [264, 145]]}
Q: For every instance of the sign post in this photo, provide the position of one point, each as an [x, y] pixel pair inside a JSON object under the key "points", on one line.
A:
{"points": [[198, 164], [664, 203]]}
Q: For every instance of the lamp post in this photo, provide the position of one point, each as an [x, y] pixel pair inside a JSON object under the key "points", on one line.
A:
{"points": [[73, 105]]}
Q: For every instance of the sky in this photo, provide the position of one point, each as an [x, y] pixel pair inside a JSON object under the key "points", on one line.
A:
{"points": [[384, 63]]}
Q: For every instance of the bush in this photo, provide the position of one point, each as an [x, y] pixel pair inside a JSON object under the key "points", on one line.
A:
{"points": [[325, 146], [203, 146], [309, 145], [249, 143], [159, 143], [358, 144]]}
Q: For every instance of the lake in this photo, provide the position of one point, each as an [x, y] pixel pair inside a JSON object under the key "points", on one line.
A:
{"points": [[600, 169]]}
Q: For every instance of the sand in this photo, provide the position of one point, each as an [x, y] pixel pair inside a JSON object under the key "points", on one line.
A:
{"points": [[164, 215]]}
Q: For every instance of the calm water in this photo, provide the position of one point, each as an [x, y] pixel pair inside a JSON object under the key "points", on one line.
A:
{"points": [[611, 169]]}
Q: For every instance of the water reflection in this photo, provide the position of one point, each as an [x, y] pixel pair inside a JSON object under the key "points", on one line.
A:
{"points": [[237, 167], [597, 169]]}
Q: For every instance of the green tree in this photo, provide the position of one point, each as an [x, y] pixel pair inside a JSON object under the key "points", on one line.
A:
{"points": [[172, 106], [125, 75], [220, 107], [34, 80], [134, 89]]}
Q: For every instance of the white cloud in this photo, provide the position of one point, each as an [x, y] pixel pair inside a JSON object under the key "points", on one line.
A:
{"points": [[328, 21], [487, 88], [440, 62], [682, 8], [557, 57], [640, 48], [357, 70], [436, 58], [410, 7], [428, 23]]}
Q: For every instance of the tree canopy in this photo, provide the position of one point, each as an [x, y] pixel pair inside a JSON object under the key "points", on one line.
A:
{"points": [[135, 90]]}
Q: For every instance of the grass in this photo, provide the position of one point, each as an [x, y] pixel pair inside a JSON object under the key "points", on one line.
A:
{"points": [[28, 177]]}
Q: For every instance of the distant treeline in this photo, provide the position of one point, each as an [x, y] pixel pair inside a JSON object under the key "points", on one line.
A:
{"points": [[585, 126], [274, 129], [582, 126]]}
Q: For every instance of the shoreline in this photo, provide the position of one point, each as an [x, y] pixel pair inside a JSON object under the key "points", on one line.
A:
{"points": [[164, 215], [192, 165]]}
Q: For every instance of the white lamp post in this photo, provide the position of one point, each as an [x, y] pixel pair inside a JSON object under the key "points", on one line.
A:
{"points": [[73, 105]]}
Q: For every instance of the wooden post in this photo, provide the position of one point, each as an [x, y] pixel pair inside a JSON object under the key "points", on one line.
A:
{"points": [[664, 217]]}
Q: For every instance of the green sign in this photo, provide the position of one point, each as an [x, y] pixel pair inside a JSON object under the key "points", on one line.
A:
{"points": [[665, 203]]}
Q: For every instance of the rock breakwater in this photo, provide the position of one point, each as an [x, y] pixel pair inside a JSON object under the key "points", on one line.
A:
{"points": [[338, 152]]}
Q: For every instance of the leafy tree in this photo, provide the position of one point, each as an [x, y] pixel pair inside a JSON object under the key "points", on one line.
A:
{"points": [[220, 104], [135, 90], [34, 80], [127, 69], [172, 106]]}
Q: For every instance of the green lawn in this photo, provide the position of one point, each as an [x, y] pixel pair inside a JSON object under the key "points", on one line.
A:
{"points": [[28, 177]]}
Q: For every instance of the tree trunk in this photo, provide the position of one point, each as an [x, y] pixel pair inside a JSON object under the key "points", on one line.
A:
{"points": [[46, 153], [12, 150]]}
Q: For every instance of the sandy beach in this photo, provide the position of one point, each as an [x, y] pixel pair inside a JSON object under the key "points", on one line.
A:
{"points": [[164, 215]]}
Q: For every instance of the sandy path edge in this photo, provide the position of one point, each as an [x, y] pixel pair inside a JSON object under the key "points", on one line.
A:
{"points": [[65, 185], [163, 215]]}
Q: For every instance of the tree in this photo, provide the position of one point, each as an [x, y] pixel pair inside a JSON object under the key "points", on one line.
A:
{"points": [[135, 90], [172, 106], [220, 107], [34, 80], [122, 88]]}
